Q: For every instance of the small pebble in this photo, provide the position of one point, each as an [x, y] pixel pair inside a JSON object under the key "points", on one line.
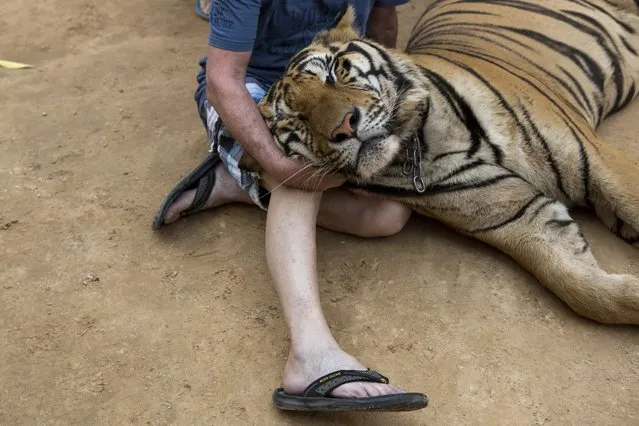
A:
{"points": [[44, 114], [8, 225], [90, 279]]}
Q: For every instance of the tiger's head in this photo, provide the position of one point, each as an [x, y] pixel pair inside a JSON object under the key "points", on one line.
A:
{"points": [[346, 103]]}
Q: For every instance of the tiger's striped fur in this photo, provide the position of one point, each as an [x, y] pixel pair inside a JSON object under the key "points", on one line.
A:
{"points": [[486, 123]]}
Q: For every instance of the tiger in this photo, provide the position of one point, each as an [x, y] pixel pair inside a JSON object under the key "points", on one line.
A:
{"points": [[485, 122]]}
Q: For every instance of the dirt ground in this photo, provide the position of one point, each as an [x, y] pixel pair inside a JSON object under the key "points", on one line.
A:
{"points": [[103, 321]]}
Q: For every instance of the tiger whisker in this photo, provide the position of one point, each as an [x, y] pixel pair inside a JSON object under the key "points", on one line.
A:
{"points": [[288, 179], [319, 174]]}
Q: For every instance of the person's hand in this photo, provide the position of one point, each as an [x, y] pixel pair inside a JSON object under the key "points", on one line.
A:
{"points": [[298, 174]]}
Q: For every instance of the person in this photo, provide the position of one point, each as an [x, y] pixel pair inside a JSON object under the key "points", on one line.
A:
{"points": [[250, 43]]}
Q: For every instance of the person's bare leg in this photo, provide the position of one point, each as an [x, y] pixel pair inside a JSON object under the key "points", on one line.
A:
{"points": [[345, 211], [340, 210], [226, 190], [291, 257]]}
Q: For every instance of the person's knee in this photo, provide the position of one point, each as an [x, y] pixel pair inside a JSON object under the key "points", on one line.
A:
{"points": [[384, 218]]}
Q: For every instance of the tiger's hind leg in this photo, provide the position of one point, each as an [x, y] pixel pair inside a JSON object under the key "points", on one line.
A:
{"points": [[614, 192], [538, 233]]}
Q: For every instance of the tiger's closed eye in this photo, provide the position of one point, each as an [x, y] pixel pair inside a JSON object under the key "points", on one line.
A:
{"points": [[346, 65]]}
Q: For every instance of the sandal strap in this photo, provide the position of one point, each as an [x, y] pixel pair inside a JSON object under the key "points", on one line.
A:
{"points": [[325, 384], [203, 192]]}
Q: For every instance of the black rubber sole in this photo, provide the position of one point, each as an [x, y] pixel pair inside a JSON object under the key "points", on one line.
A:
{"points": [[397, 402]]}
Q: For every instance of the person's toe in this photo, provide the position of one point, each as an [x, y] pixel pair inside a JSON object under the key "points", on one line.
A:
{"points": [[364, 390], [378, 389], [179, 205]]}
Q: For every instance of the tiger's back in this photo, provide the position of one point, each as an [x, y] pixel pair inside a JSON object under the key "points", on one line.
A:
{"points": [[584, 53], [537, 78]]}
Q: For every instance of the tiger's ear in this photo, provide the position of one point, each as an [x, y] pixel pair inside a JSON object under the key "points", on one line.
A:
{"points": [[343, 29]]}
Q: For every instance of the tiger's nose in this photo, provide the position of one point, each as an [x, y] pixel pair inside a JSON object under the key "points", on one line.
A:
{"points": [[347, 127]]}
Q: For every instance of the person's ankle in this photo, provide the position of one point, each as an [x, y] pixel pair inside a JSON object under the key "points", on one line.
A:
{"points": [[308, 363], [307, 347]]}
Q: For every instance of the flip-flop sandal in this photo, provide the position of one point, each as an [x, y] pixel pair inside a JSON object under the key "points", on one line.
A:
{"points": [[203, 8], [202, 178], [316, 398]]}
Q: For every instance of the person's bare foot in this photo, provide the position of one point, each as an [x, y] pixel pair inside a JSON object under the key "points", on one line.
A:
{"points": [[304, 368], [226, 190]]}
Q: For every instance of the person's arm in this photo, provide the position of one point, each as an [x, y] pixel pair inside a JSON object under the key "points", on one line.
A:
{"points": [[229, 53], [227, 93], [382, 23]]}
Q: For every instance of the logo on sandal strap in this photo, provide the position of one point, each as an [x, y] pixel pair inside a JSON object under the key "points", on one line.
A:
{"points": [[330, 376]]}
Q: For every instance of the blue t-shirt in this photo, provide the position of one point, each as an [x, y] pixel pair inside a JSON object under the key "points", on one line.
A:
{"points": [[274, 30]]}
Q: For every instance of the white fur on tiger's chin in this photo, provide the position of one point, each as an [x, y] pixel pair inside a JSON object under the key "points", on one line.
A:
{"points": [[376, 156]]}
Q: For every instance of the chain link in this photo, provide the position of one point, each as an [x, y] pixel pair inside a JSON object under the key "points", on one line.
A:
{"points": [[408, 166], [413, 165], [418, 180]]}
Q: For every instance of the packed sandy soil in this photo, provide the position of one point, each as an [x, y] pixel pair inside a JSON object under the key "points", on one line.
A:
{"points": [[103, 321]]}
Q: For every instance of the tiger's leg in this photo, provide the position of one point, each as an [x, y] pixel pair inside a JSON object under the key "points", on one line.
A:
{"points": [[540, 235], [614, 192]]}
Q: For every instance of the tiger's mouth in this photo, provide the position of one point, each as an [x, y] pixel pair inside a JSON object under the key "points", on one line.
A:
{"points": [[367, 148], [364, 159]]}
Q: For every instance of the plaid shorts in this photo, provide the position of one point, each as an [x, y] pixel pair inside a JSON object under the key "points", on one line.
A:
{"points": [[220, 141]]}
